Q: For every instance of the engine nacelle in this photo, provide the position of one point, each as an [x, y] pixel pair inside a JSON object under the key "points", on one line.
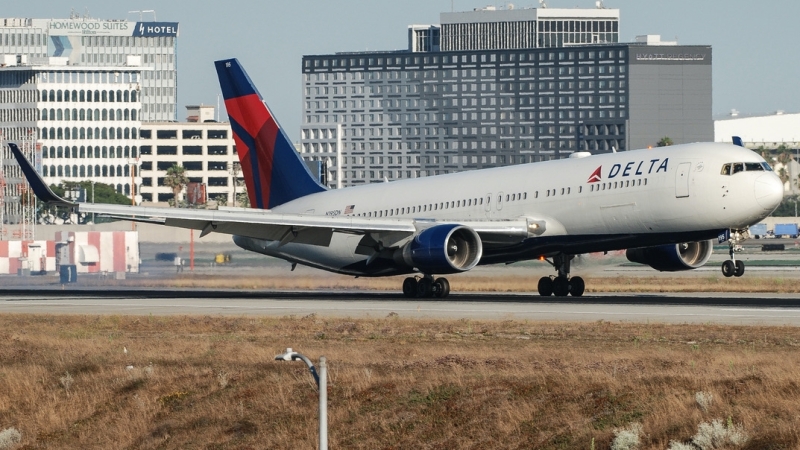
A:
{"points": [[673, 257], [443, 249]]}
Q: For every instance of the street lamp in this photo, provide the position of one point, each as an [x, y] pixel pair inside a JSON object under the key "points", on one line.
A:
{"points": [[322, 384]]}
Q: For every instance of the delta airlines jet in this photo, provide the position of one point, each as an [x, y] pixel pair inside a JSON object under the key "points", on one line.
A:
{"points": [[664, 205]]}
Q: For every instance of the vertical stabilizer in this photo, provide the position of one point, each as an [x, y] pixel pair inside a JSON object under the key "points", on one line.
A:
{"points": [[272, 169]]}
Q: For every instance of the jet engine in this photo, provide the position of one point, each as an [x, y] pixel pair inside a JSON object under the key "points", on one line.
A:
{"points": [[442, 249], [673, 257]]}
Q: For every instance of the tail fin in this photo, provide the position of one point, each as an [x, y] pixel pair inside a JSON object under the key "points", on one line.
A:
{"points": [[272, 169]]}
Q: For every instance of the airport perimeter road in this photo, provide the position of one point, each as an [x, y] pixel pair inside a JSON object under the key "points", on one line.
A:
{"points": [[771, 309]]}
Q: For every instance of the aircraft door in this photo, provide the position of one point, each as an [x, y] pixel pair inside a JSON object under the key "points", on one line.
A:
{"points": [[682, 180], [499, 206]]}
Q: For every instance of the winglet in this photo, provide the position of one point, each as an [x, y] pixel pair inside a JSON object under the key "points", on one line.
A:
{"points": [[38, 185], [737, 141]]}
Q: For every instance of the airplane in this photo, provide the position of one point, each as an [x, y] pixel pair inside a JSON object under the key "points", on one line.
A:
{"points": [[664, 205]]}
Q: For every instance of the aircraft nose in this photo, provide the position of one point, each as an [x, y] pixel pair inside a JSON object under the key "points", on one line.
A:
{"points": [[769, 191]]}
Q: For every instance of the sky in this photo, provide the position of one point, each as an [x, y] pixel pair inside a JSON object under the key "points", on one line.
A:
{"points": [[756, 61]]}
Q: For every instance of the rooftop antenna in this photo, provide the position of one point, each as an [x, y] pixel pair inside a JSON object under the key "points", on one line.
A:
{"points": [[599, 4], [145, 11], [542, 4]]}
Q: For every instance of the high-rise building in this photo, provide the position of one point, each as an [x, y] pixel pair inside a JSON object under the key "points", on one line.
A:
{"points": [[499, 97], [74, 122], [104, 43]]}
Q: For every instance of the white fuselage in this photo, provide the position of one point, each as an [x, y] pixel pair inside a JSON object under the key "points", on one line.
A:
{"points": [[642, 197]]}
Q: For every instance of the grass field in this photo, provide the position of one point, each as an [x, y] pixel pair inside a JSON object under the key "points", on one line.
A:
{"points": [[211, 383]]}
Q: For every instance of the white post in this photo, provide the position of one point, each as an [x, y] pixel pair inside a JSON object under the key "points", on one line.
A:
{"points": [[323, 403], [338, 156]]}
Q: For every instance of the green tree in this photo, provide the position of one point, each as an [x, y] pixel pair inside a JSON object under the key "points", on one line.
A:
{"points": [[103, 193], [176, 179], [664, 142]]}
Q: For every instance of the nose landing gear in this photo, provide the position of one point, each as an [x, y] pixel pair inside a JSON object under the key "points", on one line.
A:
{"points": [[734, 267], [562, 284]]}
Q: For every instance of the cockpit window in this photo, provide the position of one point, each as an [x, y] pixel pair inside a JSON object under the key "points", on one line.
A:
{"points": [[732, 168]]}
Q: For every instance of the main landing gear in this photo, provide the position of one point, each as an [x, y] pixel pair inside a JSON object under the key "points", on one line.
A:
{"points": [[562, 284], [734, 267], [426, 287]]}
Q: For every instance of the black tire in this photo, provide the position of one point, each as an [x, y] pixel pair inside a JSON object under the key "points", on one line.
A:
{"points": [[410, 287], [728, 268], [576, 286], [441, 288], [739, 270], [560, 287], [545, 287], [424, 288]]}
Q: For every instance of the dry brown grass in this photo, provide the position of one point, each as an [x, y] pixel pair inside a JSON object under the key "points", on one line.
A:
{"points": [[211, 382], [464, 283]]}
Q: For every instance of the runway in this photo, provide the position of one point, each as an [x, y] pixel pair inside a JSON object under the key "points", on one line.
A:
{"points": [[732, 309]]}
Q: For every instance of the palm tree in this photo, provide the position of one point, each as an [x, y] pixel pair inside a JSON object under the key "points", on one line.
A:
{"points": [[176, 179], [766, 154], [784, 158], [664, 142]]}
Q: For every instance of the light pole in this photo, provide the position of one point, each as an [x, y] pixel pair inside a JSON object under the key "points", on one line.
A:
{"points": [[322, 384], [93, 222]]}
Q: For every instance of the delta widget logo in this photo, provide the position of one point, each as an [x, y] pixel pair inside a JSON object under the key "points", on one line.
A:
{"points": [[595, 176]]}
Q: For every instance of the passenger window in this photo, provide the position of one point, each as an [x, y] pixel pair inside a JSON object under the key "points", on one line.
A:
{"points": [[726, 169], [738, 167]]}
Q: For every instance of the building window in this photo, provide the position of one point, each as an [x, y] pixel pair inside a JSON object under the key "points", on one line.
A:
{"points": [[167, 134], [218, 134]]}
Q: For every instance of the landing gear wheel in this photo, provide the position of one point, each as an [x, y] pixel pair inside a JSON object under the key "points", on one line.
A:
{"points": [[576, 286], [410, 287], [561, 287], [739, 268], [441, 288], [545, 286], [424, 288], [728, 268]]}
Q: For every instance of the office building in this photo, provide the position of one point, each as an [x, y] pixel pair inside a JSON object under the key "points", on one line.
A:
{"points": [[73, 122], [104, 43], [428, 111], [201, 145]]}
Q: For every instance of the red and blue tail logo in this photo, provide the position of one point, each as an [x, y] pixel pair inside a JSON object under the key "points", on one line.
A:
{"points": [[273, 171]]}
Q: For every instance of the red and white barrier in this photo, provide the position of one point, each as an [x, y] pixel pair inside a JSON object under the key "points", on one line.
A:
{"points": [[37, 256], [99, 251]]}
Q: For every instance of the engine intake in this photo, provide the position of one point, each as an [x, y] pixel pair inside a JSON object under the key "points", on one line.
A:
{"points": [[672, 257], [443, 249]]}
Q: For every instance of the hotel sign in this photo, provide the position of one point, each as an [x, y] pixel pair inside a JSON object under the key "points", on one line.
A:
{"points": [[82, 27]]}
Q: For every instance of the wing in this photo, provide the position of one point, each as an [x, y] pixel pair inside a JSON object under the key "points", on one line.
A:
{"points": [[296, 228]]}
